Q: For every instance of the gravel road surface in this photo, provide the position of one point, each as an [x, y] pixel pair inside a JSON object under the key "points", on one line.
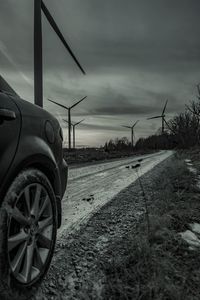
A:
{"points": [[91, 187], [92, 227]]}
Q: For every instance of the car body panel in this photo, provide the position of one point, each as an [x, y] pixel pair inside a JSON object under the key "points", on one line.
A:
{"points": [[36, 151], [9, 135]]}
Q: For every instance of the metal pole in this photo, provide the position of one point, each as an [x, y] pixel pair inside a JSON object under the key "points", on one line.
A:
{"points": [[38, 65], [74, 137], [132, 137], [162, 125], [69, 128]]}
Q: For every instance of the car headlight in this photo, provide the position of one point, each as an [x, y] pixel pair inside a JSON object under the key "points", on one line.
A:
{"points": [[49, 132]]}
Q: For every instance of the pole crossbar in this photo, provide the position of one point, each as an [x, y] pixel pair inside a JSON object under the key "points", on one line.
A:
{"points": [[40, 7]]}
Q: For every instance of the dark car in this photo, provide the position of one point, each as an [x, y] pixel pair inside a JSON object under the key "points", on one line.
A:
{"points": [[33, 177]]}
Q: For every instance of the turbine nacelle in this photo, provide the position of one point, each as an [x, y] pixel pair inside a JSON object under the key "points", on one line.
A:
{"points": [[67, 107], [132, 132], [73, 125], [69, 115], [131, 126]]}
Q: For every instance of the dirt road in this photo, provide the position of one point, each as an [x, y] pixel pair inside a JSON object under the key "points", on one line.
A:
{"points": [[76, 271], [90, 187]]}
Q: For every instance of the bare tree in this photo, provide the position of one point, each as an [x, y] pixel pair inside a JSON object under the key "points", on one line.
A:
{"points": [[185, 128]]}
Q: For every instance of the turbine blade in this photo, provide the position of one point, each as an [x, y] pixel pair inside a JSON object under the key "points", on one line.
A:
{"points": [[164, 108], [168, 125], [68, 122], [79, 122], [59, 34], [126, 126], [156, 117], [58, 104], [135, 123], [78, 102]]}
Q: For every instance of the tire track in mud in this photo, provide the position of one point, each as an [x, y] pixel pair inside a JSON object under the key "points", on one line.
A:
{"points": [[105, 166]]}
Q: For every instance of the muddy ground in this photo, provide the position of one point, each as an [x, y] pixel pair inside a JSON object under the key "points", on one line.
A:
{"points": [[77, 269]]}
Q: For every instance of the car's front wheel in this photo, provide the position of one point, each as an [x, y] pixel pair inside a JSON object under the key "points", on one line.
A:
{"points": [[28, 225]]}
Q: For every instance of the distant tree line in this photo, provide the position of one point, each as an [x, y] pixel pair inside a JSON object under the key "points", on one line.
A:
{"points": [[182, 131], [117, 144]]}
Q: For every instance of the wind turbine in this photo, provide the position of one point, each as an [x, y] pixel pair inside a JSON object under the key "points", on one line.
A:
{"points": [[162, 116], [40, 7], [69, 116], [132, 131], [74, 127]]}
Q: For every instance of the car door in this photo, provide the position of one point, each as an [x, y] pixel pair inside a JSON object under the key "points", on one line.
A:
{"points": [[10, 124]]}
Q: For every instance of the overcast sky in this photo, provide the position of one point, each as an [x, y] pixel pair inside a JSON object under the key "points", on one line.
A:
{"points": [[136, 53]]}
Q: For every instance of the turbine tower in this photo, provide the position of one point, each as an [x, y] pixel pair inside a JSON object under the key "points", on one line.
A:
{"points": [[40, 7], [68, 108], [132, 131], [162, 117], [74, 127]]}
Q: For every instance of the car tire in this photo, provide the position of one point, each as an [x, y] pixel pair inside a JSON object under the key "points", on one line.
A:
{"points": [[28, 226]]}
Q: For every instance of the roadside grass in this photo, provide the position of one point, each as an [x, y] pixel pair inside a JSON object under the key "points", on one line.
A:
{"points": [[91, 155], [158, 264]]}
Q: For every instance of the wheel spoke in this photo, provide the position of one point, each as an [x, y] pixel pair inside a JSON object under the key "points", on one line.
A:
{"points": [[27, 199], [38, 260], [19, 217], [28, 262], [17, 261], [16, 239], [36, 201], [44, 205], [44, 242], [45, 223]]}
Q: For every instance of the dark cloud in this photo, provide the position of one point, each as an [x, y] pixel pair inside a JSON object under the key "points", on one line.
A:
{"points": [[136, 55], [95, 127]]}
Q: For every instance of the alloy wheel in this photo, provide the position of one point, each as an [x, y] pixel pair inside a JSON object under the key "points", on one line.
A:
{"points": [[30, 233]]}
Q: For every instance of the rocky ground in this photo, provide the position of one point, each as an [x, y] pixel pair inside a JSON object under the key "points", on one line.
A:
{"points": [[78, 267]]}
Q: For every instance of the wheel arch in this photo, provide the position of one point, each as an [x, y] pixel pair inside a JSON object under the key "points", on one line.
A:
{"points": [[44, 164], [53, 177]]}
